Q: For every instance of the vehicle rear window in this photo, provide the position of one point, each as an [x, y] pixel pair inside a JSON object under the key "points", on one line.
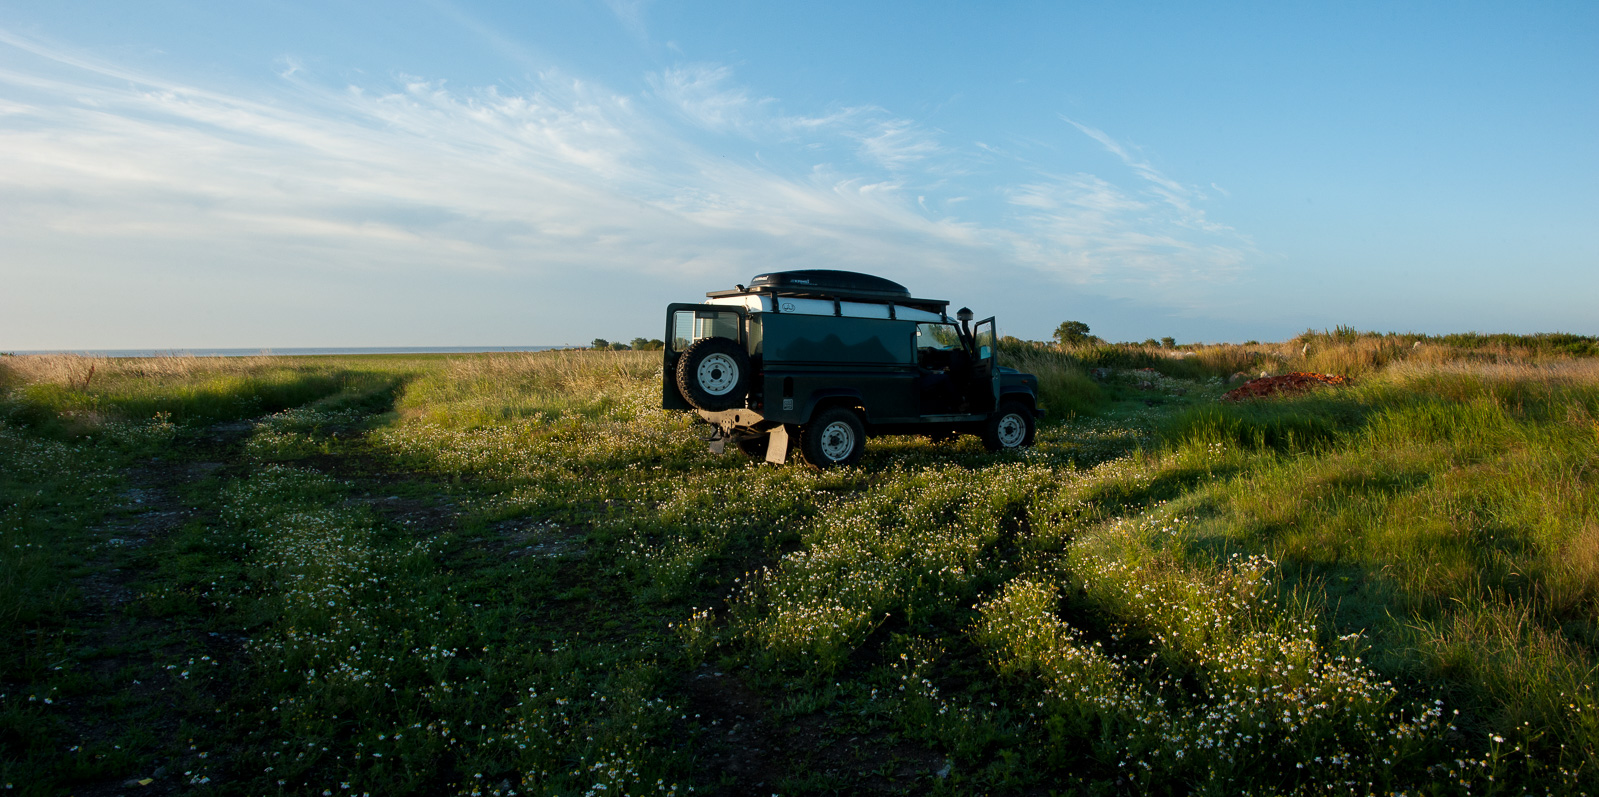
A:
{"points": [[691, 325]]}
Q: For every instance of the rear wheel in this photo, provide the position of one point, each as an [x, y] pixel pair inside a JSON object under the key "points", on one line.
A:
{"points": [[1010, 427], [834, 437], [713, 374]]}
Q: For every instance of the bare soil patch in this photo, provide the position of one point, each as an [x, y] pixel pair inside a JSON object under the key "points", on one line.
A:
{"points": [[1286, 384]]}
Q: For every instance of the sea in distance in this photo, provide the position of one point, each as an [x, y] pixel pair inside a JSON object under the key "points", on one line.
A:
{"points": [[290, 352]]}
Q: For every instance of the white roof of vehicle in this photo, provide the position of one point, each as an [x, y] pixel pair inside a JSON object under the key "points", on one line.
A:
{"points": [[758, 303]]}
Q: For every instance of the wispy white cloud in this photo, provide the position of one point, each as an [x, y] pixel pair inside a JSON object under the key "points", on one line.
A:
{"points": [[1178, 196], [630, 13], [568, 175], [565, 181], [510, 49], [707, 96], [897, 144], [1088, 230]]}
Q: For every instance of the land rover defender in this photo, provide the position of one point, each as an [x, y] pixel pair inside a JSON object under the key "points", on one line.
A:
{"points": [[821, 360]]}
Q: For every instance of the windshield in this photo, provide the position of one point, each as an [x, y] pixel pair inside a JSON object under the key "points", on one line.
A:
{"points": [[940, 337]]}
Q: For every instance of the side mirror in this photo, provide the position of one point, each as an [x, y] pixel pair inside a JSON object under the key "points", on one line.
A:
{"points": [[984, 353]]}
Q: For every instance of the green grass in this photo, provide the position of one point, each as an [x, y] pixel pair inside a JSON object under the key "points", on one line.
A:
{"points": [[65, 395], [497, 573], [492, 389], [1453, 514]]}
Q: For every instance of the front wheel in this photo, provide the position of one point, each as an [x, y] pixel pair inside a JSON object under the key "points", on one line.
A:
{"points": [[1010, 427], [834, 437]]}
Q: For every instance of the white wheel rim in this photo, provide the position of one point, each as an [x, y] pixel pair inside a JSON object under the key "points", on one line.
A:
{"points": [[1012, 430], [717, 374], [838, 440]]}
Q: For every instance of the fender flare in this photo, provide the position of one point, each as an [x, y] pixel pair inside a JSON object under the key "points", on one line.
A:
{"points": [[832, 396]]}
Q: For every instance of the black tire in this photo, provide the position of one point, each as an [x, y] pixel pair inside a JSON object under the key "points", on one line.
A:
{"points": [[713, 374], [754, 447], [834, 437], [1011, 426]]}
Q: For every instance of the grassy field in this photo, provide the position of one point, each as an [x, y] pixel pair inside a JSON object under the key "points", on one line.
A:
{"points": [[512, 573]]}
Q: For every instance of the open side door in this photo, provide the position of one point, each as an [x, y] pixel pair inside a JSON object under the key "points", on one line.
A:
{"points": [[985, 366], [686, 323]]}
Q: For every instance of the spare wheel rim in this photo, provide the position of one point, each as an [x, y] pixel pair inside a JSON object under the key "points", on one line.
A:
{"points": [[1012, 430], [717, 374], [838, 440]]}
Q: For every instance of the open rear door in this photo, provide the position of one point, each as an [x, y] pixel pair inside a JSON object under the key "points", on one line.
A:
{"points": [[686, 323]]}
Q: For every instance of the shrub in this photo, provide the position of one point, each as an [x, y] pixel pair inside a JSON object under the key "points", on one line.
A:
{"points": [[1064, 387], [1072, 333]]}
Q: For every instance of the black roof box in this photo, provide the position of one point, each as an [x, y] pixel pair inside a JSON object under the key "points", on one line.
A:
{"points": [[821, 283], [828, 282]]}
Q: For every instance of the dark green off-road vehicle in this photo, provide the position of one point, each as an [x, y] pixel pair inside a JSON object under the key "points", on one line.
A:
{"points": [[820, 360]]}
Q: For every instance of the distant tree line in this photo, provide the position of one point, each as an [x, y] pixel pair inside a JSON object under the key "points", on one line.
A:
{"points": [[637, 344], [1075, 333], [1069, 334]]}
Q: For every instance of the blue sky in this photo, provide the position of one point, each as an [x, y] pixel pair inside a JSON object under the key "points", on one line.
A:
{"points": [[276, 174]]}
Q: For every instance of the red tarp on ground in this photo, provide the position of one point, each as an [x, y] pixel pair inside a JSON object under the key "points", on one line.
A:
{"points": [[1297, 382]]}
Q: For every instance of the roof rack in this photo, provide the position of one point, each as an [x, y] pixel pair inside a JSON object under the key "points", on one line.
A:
{"points": [[830, 284]]}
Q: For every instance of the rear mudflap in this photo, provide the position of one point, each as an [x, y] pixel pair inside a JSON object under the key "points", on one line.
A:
{"points": [[735, 426]]}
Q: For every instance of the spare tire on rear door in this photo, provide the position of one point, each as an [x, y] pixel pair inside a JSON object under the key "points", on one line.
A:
{"points": [[713, 374]]}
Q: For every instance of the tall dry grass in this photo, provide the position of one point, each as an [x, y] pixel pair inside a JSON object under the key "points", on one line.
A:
{"points": [[1555, 373], [483, 389], [82, 371], [1349, 353], [73, 394], [1064, 387], [1344, 354], [573, 372]]}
